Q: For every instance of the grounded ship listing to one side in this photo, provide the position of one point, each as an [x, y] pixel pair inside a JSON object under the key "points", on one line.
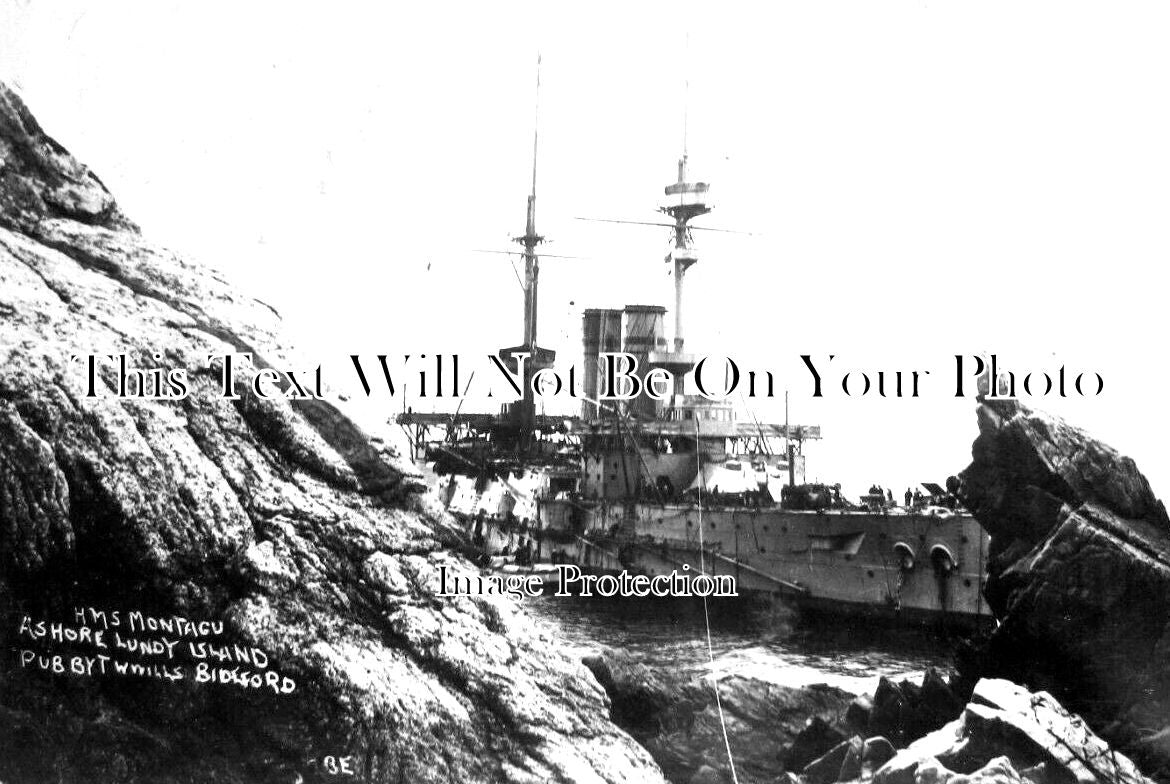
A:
{"points": [[687, 484]]}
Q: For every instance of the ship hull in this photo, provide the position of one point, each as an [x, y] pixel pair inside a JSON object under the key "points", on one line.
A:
{"points": [[891, 567]]}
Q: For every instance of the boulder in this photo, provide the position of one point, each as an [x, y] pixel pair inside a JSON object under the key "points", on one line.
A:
{"points": [[817, 737], [876, 753], [1006, 731], [851, 766], [286, 521], [851, 760], [997, 771], [1078, 574], [840, 763], [646, 701]]}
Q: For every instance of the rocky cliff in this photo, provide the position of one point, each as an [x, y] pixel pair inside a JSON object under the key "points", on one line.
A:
{"points": [[1079, 576], [282, 520]]}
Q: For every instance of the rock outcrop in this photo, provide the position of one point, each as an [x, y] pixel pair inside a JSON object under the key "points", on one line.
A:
{"points": [[678, 719], [1078, 576], [281, 519], [1006, 734], [762, 720]]}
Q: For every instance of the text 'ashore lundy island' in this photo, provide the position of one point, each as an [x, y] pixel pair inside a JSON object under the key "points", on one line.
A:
{"points": [[620, 377]]}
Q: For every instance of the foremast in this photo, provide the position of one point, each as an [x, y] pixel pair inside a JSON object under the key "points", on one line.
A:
{"points": [[520, 418]]}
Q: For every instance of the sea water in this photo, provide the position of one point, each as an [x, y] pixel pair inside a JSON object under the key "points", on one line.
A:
{"points": [[775, 647]]}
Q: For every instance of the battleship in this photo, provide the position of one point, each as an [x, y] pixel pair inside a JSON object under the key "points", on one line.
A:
{"points": [[663, 483]]}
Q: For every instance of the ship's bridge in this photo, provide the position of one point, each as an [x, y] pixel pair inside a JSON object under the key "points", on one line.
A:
{"points": [[684, 408]]}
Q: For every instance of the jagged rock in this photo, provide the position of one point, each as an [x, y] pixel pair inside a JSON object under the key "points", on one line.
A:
{"points": [[282, 519], [829, 768], [857, 715], [904, 711], [1002, 723], [817, 737], [1078, 575], [937, 704], [39, 179], [889, 713]]}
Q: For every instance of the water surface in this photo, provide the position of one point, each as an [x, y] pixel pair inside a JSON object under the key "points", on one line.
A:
{"points": [[774, 645]]}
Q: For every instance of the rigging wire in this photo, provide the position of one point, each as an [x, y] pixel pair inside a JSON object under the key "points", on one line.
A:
{"points": [[707, 618], [516, 272]]}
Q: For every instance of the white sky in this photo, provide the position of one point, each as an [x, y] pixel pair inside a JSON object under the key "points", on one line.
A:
{"points": [[928, 179]]}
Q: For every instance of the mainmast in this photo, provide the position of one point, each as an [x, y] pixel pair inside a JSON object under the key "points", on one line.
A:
{"points": [[684, 201]]}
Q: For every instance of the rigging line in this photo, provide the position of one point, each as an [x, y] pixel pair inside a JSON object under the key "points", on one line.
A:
{"points": [[458, 408], [763, 441], [516, 272], [707, 617]]}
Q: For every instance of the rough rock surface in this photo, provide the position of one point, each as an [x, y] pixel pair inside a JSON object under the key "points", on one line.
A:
{"points": [[1078, 575], [817, 737], [1005, 734], [677, 718], [763, 719], [282, 519]]}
